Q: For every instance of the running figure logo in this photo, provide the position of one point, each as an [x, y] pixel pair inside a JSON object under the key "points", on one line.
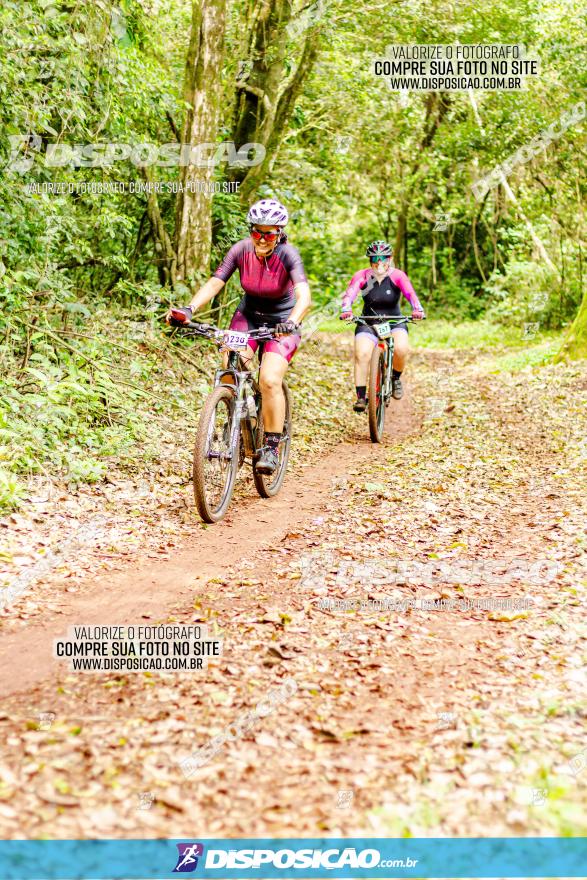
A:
{"points": [[187, 860]]}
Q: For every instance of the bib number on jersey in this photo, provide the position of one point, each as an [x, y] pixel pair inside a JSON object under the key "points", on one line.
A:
{"points": [[235, 341], [383, 330]]}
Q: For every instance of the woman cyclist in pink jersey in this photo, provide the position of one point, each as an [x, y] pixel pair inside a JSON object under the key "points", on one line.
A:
{"points": [[381, 286], [276, 293]]}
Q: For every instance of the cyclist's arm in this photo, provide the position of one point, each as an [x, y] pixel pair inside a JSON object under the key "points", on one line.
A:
{"points": [[215, 284], [405, 285], [207, 292], [303, 302], [353, 290], [183, 315]]}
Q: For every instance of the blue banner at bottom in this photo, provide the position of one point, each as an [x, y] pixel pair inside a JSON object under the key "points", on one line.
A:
{"points": [[375, 857]]}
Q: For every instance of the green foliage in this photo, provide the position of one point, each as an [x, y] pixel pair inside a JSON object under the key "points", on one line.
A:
{"points": [[94, 74], [79, 403], [10, 491], [62, 415], [483, 335], [356, 161], [538, 353], [373, 156], [521, 293], [575, 343]]}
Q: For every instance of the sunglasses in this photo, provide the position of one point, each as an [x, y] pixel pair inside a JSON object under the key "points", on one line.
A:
{"points": [[268, 236], [379, 259]]}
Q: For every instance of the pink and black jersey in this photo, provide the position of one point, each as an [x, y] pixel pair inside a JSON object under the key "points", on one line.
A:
{"points": [[268, 283], [380, 298]]}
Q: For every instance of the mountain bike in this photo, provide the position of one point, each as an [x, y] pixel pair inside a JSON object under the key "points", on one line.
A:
{"points": [[230, 430], [380, 369]]}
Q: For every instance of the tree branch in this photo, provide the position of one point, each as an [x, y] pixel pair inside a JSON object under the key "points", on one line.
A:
{"points": [[173, 126]]}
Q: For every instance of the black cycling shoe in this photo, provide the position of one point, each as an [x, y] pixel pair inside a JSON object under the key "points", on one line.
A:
{"points": [[268, 461], [397, 389], [360, 404]]}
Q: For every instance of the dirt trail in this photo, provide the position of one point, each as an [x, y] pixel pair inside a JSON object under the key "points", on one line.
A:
{"points": [[425, 723], [148, 592]]}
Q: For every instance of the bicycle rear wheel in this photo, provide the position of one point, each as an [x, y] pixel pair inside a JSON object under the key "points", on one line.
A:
{"points": [[215, 459], [376, 400], [268, 485]]}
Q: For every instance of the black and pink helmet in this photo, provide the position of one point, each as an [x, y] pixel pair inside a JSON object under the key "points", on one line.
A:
{"points": [[379, 249], [268, 212]]}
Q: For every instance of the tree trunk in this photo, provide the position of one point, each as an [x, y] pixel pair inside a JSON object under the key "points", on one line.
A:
{"points": [[202, 91], [265, 98], [575, 343], [402, 225], [475, 243], [437, 106], [165, 259]]}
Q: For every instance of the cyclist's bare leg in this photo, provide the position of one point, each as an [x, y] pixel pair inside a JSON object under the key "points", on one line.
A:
{"points": [[364, 343], [247, 355], [273, 369], [400, 349]]}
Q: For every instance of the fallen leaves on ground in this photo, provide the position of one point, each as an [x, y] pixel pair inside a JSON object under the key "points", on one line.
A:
{"points": [[440, 722]]}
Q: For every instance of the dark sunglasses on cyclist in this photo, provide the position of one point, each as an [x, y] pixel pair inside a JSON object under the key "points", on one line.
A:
{"points": [[379, 259], [268, 236]]}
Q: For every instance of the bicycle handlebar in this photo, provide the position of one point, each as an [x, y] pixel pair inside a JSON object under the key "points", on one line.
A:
{"points": [[209, 331], [366, 319]]}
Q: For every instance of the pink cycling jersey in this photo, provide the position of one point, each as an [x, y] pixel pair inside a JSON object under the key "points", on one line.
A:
{"points": [[269, 282], [363, 280]]}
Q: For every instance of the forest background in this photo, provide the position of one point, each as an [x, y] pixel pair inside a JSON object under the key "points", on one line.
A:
{"points": [[87, 370]]}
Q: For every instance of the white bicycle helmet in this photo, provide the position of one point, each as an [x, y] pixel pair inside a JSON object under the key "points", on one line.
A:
{"points": [[378, 248], [268, 212]]}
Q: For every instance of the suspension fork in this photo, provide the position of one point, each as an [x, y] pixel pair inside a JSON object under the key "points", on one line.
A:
{"points": [[389, 367], [249, 429], [242, 379], [237, 380]]}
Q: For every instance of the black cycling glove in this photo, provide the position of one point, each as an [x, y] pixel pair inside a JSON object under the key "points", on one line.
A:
{"points": [[286, 327]]}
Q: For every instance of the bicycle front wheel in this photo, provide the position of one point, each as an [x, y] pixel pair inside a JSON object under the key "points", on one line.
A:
{"points": [[215, 458], [269, 485], [376, 398]]}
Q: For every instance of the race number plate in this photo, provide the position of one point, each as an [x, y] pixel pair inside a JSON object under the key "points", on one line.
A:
{"points": [[235, 341], [383, 330]]}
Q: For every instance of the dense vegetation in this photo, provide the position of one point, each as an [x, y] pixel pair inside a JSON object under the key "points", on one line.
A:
{"points": [[86, 276]]}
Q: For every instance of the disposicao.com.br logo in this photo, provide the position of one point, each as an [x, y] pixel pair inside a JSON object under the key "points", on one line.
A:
{"points": [[326, 859], [187, 858]]}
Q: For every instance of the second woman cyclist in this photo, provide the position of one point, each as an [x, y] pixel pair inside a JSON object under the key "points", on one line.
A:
{"points": [[381, 286], [277, 294]]}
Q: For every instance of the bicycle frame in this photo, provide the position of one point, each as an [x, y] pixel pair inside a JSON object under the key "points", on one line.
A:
{"points": [[244, 380], [226, 443], [386, 345]]}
